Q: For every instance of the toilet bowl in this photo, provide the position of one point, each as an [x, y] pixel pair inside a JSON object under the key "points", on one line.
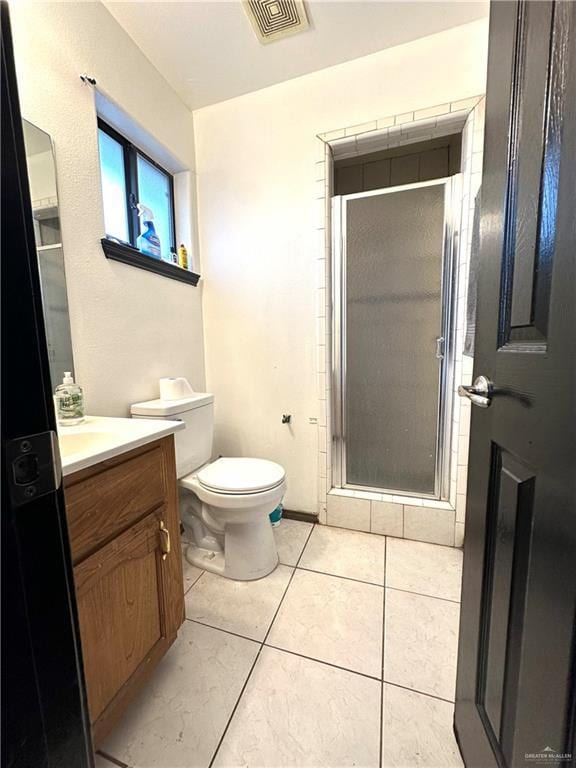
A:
{"points": [[224, 504], [227, 513]]}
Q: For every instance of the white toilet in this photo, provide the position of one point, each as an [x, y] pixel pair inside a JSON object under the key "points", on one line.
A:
{"points": [[224, 504]]}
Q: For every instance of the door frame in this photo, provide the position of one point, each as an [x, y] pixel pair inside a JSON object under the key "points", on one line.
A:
{"points": [[450, 246]]}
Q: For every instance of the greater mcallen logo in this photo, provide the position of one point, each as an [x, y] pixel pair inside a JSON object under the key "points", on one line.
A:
{"points": [[547, 754]]}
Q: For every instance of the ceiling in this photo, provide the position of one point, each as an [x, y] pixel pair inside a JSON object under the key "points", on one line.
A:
{"points": [[207, 51]]}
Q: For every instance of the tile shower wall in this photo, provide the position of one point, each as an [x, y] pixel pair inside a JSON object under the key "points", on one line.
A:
{"points": [[440, 522]]}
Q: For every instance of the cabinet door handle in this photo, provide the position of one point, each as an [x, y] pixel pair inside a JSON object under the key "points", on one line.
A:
{"points": [[165, 536]]}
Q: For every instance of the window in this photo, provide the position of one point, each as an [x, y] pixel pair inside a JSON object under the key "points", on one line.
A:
{"points": [[129, 179]]}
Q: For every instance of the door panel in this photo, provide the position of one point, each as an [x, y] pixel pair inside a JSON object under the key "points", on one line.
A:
{"points": [[536, 117], [526, 154], [515, 689], [508, 528]]}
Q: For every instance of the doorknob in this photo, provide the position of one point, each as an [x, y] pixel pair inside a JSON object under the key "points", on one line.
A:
{"points": [[480, 393]]}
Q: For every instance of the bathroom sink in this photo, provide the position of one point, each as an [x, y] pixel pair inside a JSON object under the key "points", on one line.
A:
{"points": [[100, 437]]}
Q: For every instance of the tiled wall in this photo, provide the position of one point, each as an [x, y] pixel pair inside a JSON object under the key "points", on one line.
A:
{"points": [[440, 522], [403, 165]]}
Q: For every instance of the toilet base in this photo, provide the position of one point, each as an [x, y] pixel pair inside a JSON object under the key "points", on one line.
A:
{"points": [[249, 552], [206, 559], [236, 542]]}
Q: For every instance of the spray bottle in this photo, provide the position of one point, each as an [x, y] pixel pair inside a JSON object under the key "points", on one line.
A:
{"points": [[148, 242]]}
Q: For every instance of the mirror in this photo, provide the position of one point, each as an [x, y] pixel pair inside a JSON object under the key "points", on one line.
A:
{"points": [[44, 195]]}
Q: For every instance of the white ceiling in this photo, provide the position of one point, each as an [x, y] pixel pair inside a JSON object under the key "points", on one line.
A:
{"points": [[207, 51]]}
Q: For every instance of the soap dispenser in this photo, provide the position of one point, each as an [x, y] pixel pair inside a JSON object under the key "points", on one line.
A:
{"points": [[69, 402]]}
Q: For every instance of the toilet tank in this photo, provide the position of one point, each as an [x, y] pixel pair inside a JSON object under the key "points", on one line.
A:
{"points": [[193, 444]]}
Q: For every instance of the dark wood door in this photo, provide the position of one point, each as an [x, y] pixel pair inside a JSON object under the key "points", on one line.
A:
{"points": [[515, 689], [44, 715]]}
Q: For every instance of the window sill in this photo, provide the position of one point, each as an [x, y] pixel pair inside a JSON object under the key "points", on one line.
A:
{"points": [[132, 256]]}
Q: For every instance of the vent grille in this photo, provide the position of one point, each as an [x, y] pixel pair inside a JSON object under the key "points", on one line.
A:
{"points": [[274, 19]]}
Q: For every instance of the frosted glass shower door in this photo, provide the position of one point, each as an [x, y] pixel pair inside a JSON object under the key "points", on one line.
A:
{"points": [[392, 266]]}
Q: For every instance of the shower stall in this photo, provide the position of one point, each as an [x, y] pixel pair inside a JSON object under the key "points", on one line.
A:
{"points": [[394, 258]]}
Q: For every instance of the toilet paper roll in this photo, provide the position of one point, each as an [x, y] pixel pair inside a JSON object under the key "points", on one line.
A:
{"points": [[175, 388]]}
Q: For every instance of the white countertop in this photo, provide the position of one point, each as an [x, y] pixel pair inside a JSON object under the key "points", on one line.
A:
{"points": [[100, 437]]}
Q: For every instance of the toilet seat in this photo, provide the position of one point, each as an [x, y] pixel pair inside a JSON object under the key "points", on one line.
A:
{"points": [[240, 476]]}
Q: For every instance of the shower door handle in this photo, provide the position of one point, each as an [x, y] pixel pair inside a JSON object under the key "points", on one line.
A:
{"points": [[480, 393], [440, 347]]}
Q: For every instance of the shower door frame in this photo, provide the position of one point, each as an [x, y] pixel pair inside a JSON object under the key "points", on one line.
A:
{"points": [[445, 348]]}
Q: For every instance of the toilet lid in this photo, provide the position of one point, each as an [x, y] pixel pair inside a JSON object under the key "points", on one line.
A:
{"points": [[241, 475]]}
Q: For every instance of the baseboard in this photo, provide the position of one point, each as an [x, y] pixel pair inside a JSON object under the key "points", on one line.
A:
{"points": [[305, 517]]}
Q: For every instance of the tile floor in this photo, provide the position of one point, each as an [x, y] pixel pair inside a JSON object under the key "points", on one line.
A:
{"points": [[344, 656]]}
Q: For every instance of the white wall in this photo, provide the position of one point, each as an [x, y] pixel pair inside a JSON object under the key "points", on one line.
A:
{"points": [[256, 176], [129, 327]]}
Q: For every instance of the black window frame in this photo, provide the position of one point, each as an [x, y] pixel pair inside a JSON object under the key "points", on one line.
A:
{"points": [[127, 252]]}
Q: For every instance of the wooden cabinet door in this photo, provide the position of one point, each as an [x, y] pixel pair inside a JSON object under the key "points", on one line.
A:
{"points": [[129, 613]]}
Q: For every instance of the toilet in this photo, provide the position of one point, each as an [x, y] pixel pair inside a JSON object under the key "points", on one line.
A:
{"points": [[224, 504]]}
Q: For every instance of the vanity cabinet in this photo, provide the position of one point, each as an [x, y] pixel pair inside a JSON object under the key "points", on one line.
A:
{"points": [[124, 533]]}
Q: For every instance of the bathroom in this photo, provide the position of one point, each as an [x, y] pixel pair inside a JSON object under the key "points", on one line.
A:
{"points": [[256, 358]]}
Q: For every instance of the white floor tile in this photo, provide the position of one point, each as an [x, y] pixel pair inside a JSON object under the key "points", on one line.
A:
{"points": [[417, 731], [244, 607], [421, 643], [428, 569], [345, 553], [182, 711], [332, 619], [297, 713], [291, 536]]}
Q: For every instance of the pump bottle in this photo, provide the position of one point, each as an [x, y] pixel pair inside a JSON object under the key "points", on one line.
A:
{"points": [[69, 402]]}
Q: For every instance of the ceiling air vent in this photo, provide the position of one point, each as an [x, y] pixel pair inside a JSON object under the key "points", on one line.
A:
{"points": [[274, 19]]}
